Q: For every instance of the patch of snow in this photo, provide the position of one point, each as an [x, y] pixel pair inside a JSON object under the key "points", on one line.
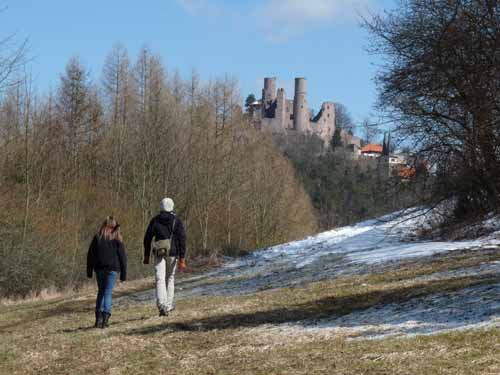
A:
{"points": [[369, 246], [474, 307], [355, 249]]}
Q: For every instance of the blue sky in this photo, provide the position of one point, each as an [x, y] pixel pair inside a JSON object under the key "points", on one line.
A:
{"points": [[318, 39]]}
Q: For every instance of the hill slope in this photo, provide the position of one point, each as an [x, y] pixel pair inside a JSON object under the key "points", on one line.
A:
{"points": [[310, 306], [368, 248]]}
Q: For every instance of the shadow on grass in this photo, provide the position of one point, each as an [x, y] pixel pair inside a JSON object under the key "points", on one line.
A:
{"points": [[79, 329], [48, 310], [27, 314], [328, 307], [111, 325]]}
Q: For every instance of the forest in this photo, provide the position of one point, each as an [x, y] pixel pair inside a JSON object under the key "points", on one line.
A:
{"points": [[117, 145]]}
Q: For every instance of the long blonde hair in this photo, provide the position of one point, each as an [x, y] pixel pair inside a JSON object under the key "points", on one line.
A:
{"points": [[110, 230]]}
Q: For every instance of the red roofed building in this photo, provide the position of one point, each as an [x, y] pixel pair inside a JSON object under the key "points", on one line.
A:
{"points": [[372, 150]]}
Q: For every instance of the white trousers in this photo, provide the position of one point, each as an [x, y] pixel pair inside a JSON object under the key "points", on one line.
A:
{"points": [[164, 275]]}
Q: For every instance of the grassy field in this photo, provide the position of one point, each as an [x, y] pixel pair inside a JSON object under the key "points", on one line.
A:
{"points": [[232, 335]]}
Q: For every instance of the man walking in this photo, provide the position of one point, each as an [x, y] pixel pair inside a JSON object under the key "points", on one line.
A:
{"points": [[166, 233]]}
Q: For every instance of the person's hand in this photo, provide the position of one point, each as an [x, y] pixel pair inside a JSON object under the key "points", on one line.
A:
{"points": [[146, 260], [182, 264]]}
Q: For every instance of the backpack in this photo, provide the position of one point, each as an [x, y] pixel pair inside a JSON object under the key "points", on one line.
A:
{"points": [[161, 248]]}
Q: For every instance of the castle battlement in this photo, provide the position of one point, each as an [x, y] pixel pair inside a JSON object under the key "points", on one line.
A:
{"points": [[276, 113]]}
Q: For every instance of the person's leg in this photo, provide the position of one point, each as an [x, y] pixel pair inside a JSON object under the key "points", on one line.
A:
{"points": [[171, 267], [101, 286], [109, 283], [110, 279], [99, 303], [161, 288]]}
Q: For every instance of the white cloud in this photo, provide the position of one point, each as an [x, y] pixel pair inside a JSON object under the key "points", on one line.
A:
{"points": [[300, 10], [281, 19], [195, 7], [212, 11]]}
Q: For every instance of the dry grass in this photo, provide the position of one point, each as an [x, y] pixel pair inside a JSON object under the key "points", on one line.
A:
{"points": [[197, 265], [228, 335], [84, 290]]}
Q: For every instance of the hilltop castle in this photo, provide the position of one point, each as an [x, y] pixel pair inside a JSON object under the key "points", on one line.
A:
{"points": [[278, 114], [275, 113]]}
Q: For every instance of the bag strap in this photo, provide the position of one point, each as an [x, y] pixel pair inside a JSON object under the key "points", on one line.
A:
{"points": [[173, 227]]}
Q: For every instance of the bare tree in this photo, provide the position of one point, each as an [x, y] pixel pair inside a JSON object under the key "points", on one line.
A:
{"points": [[343, 119], [118, 93], [440, 86], [12, 59], [369, 131]]}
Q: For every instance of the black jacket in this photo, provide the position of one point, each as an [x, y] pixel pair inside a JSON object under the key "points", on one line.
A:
{"points": [[107, 255], [160, 228]]}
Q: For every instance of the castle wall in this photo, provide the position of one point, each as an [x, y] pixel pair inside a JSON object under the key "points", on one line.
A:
{"points": [[349, 139], [323, 124], [289, 114], [272, 124]]}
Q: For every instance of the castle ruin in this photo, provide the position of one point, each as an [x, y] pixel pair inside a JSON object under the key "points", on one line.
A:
{"points": [[279, 115], [276, 113]]}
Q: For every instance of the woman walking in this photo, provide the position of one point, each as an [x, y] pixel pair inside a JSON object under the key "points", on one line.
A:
{"points": [[106, 257]]}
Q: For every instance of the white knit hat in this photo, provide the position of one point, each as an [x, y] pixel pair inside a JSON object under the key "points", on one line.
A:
{"points": [[167, 204]]}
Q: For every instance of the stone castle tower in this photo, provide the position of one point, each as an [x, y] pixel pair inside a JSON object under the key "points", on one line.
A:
{"points": [[276, 113], [301, 120]]}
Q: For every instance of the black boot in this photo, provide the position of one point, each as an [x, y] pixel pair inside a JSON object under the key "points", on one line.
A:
{"points": [[105, 320], [98, 319], [163, 311]]}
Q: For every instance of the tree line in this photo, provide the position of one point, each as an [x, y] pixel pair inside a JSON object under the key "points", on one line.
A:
{"points": [[118, 145], [345, 189]]}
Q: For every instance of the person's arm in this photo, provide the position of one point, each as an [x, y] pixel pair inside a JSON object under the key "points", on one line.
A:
{"points": [[148, 237], [122, 256], [90, 257], [180, 235]]}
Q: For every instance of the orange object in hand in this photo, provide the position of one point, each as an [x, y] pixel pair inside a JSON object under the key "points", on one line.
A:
{"points": [[182, 264]]}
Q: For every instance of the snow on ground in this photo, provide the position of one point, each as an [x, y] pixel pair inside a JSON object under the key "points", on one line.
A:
{"points": [[474, 307], [366, 247]]}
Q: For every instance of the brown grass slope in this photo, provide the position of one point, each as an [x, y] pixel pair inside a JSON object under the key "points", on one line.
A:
{"points": [[230, 335]]}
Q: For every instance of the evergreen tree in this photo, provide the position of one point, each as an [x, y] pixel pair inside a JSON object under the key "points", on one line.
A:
{"points": [[249, 100], [336, 140]]}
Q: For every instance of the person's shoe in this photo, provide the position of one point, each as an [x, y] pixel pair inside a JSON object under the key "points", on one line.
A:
{"points": [[105, 320], [98, 319], [171, 309], [163, 312]]}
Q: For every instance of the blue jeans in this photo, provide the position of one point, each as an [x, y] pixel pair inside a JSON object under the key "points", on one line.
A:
{"points": [[105, 283]]}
